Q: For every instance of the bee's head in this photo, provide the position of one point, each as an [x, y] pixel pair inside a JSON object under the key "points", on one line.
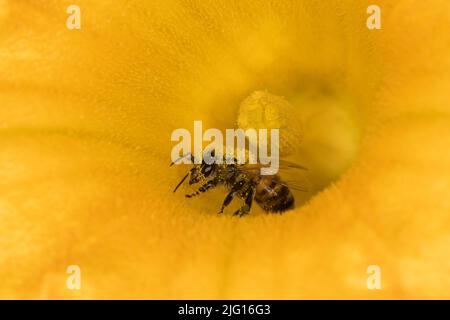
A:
{"points": [[230, 170], [200, 172], [195, 176]]}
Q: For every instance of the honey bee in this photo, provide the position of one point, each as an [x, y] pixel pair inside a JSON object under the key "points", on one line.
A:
{"points": [[244, 181]]}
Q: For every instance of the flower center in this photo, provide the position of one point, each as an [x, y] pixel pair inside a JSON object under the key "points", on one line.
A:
{"points": [[317, 131]]}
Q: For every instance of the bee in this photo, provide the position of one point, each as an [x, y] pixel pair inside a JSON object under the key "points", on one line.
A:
{"points": [[244, 181]]}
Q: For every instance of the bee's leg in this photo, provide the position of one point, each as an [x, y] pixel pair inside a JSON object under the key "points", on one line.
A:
{"points": [[245, 209], [203, 188], [227, 200]]}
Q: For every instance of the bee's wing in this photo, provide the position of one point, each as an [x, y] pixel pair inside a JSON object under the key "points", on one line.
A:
{"points": [[288, 164], [292, 175], [303, 186]]}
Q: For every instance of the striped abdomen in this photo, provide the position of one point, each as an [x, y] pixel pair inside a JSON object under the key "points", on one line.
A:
{"points": [[272, 195]]}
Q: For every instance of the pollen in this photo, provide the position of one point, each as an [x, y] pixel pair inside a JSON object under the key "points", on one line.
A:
{"points": [[263, 110]]}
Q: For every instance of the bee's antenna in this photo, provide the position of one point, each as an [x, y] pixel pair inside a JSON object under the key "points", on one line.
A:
{"points": [[181, 182], [182, 157]]}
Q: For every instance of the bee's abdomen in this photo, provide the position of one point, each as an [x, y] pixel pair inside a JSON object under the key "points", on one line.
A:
{"points": [[275, 197]]}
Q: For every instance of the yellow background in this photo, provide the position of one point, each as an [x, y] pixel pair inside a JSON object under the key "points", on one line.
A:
{"points": [[85, 123]]}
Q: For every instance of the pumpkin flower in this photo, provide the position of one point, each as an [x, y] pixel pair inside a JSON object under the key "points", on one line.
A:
{"points": [[86, 116]]}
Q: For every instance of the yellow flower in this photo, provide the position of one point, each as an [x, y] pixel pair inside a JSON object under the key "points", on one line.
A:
{"points": [[85, 123]]}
